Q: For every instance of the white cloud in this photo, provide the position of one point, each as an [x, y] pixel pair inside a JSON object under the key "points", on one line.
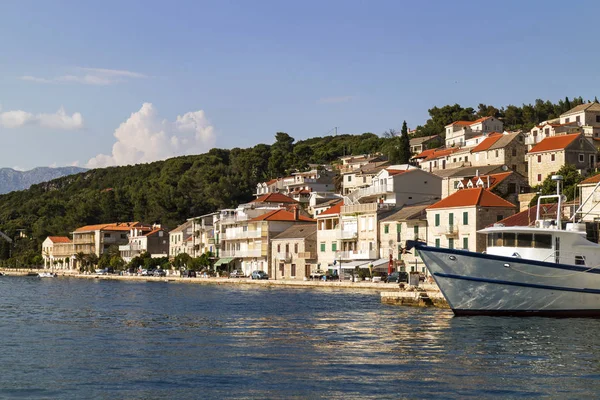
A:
{"points": [[57, 120], [89, 76], [144, 137], [335, 99]]}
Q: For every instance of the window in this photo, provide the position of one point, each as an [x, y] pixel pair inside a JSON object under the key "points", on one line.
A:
{"points": [[370, 246], [451, 243], [567, 120], [510, 239], [456, 184], [542, 241], [293, 272], [437, 242], [547, 132], [496, 153], [534, 133], [579, 260], [514, 167], [386, 228], [296, 248], [349, 178], [279, 248], [512, 188], [466, 159], [539, 177], [524, 240], [597, 118], [539, 159], [465, 218], [322, 247], [287, 248], [437, 219], [451, 219], [514, 152], [416, 230], [334, 246], [499, 217], [466, 243], [281, 269], [581, 158], [552, 157], [107, 235], [578, 119]]}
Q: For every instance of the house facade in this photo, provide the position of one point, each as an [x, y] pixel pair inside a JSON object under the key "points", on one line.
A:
{"points": [[454, 221], [294, 252], [586, 116], [501, 149], [142, 240], [552, 153], [457, 133], [181, 240], [98, 238], [57, 252], [419, 144]]}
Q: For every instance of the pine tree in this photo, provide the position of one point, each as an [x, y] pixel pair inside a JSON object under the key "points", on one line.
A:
{"points": [[405, 154]]}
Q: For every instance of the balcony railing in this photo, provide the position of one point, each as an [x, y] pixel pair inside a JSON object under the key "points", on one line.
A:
{"points": [[448, 230], [233, 235], [284, 256], [373, 190], [347, 235], [307, 255], [358, 255], [233, 220], [242, 253]]}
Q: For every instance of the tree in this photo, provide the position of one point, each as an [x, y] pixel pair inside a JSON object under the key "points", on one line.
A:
{"points": [[571, 178], [91, 260], [404, 153], [80, 259], [182, 261]]}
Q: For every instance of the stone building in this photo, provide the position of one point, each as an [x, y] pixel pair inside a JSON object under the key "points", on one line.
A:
{"points": [[501, 149], [294, 252]]}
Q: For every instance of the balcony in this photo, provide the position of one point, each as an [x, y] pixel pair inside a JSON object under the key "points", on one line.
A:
{"points": [[371, 191], [285, 257], [531, 140], [448, 230], [241, 253], [359, 255], [307, 255], [233, 220], [235, 235], [359, 208], [347, 235]]}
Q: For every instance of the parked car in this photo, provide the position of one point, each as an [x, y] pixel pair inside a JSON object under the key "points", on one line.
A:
{"points": [[188, 274], [397, 277], [318, 274], [329, 276], [259, 275], [236, 274], [159, 272]]}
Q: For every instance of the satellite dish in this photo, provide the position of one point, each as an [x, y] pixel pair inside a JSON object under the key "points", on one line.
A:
{"points": [[504, 168]]}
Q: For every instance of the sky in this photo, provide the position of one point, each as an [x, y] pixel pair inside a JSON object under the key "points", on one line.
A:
{"points": [[106, 83]]}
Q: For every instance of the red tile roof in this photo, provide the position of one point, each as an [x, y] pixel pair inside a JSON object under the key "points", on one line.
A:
{"points": [[272, 181], [592, 179], [527, 217], [336, 209], [470, 122], [441, 153], [472, 197], [394, 172], [274, 198], [115, 226], [487, 142], [282, 215], [425, 153], [59, 239], [494, 180], [152, 232], [554, 143]]}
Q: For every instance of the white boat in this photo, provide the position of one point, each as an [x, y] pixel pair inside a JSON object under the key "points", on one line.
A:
{"points": [[46, 274], [540, 270]]}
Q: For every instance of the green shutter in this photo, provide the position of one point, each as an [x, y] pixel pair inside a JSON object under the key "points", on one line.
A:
{"points": [[465, 243], [386, 228], [322, 247], [451, 219], [437, 242], [416, 228], [398, 227], [465, 218], [334, 246], [450, 242], [437, 219]]}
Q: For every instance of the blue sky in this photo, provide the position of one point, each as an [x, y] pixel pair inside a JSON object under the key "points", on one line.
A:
{"points": [[139, 81]]}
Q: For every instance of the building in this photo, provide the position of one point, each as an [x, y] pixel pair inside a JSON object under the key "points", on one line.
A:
{"points": [[205, 239], [507, 185], [299, 185], [154, 241], [294, 252], [452, 177], [98, 238], [457, 133], [57, 252], [586, 116], [181, 240], [318, 208], [247, 246], [360, 177], [552, 153], [501, 149], [420, 144], [329, 235], [454, 221], [590, 199], [398, 185], [407, 223], [548, 129]]}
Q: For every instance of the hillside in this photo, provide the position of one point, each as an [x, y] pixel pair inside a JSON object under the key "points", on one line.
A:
{"points": [[11, 179], [166, 192]]}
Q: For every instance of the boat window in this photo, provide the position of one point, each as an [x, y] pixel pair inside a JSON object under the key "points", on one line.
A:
{"points": [[509, 239], [579, 260], [543, 241], [498, 239], [525, 240], [490, 240]]}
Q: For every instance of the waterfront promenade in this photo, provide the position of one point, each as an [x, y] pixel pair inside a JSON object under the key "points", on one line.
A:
{"points": [[391, 293]]}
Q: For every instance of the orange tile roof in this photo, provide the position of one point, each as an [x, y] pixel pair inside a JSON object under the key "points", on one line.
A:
{"points": [[282, 215], [487, 143], [425, 153], [152, 232], [336, 209], [527, 217], [472, 197], [115, 226], [274, 198], [394, 172], [554, 143], [495, 179], [272, 181], [441, 153], [470, 122], [59, 239], [591, 179]]}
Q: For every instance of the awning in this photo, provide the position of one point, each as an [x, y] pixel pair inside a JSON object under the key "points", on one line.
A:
{"points": [[380, 263], [350, 264], [224, 260]]}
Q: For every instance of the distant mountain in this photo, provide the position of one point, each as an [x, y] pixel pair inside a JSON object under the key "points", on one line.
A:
{"points": [[11, 180]]}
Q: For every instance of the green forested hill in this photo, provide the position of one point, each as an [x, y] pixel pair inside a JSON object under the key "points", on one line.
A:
{"points": [[165, 192]]}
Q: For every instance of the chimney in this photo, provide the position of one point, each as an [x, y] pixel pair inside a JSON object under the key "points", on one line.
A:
{"points": [[295, 211]]}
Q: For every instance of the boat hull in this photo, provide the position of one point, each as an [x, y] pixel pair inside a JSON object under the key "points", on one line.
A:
{"points": [[481, 284]]}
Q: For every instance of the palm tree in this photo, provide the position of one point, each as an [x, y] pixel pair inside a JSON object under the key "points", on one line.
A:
{"points": [[80, 258]]}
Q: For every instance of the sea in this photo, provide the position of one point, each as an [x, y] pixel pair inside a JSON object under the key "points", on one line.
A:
{"points": [[69, 338]]}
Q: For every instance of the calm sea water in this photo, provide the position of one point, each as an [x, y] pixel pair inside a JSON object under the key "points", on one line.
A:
{"points": [[70, 338]]}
